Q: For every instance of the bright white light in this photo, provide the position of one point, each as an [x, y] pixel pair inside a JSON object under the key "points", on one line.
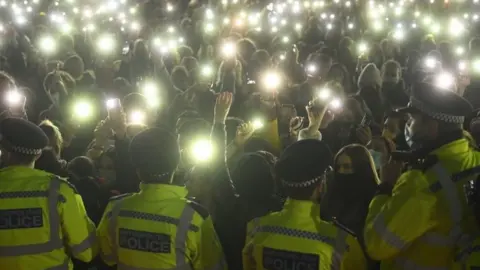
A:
{"points": [[47, 45], [13, 98], [150, 89], [324, 94], [272, 80], [83, 110], [202, 150], [329, 26], [285, 39], [456, 28], [257, 124], [462, 66], [21, 20], [430, 62], [169, 7], [209, 27], [106, 44], [444, 80], [336, 104], [66, 28], [362, 48], [311, 69], [207, 71], [137, 117], [459, 50], [209, 14], [229, 49], [350, 26], [399, 35]]}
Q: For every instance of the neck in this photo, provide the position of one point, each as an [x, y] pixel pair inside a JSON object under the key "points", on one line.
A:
{"points": [[440, 141]]}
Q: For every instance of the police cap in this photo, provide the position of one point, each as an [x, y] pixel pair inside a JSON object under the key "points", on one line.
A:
{"points": [[439, 104], [22, 137], [303, 163], [155, 151]]}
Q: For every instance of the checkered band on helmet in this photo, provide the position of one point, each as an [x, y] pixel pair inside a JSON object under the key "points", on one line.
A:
{"points": [[18, 149], [434, 114], [302, 184]]}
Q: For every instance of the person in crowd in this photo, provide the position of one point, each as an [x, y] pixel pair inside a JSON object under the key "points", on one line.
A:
{"points": [[353, 184], [393, 88], [292, 232], [30, 238], [160, 211], [432, 187]]}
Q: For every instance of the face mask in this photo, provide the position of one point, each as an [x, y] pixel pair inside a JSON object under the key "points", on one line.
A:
{"points": [[377, 159], [109, 176], [412, 140]]}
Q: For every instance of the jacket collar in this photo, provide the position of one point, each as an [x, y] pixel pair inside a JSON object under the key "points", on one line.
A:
{"points": [[441, 144], [162, 191], [302, 208]]}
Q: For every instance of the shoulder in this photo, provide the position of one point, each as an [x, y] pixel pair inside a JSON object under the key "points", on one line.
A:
{"points": [[65, 184], [199, 209], [120, 197], [425, 164]]}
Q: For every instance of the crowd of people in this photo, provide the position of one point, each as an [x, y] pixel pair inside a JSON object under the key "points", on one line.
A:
{"points": [[239, 134]]}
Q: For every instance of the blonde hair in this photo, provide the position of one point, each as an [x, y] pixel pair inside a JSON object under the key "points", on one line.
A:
{"points": [[55, 138], [370, 76]]}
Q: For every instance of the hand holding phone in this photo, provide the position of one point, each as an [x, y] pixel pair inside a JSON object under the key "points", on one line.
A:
{"points": [[114, 109]]}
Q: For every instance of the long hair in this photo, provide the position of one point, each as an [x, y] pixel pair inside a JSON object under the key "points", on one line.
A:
{"points": [[370, 76], [347, 200]]}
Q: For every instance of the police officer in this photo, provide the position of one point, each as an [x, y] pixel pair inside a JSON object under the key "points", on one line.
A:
{"points": [[296, 238], [418, 220], [41, 216], [158, 228]]}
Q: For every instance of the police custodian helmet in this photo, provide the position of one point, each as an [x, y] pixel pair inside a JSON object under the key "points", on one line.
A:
{"points": [[22, 137], [437, 103]]}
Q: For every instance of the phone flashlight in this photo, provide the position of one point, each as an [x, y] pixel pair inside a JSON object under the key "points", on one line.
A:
{"points": [[14, 98], [257, 124]]}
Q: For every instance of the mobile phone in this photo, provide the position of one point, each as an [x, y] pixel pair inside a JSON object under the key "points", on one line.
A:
{"points": [[114, 108]]}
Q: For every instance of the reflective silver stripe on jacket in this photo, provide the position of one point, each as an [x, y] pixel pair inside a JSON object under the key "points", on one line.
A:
{"points": [[154, 217], [63, 266], [84, 245], [122, 266], [53, 218], [339, 248], [410, 265], [296, 233], [388, 236], [456, 235], [183, 226]]}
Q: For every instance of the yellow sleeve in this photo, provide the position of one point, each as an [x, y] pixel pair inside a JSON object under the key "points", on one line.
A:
{"points": [[103, 235], [247, 256], [354, 258], [385, 231], [210, 253], [78, 229]]}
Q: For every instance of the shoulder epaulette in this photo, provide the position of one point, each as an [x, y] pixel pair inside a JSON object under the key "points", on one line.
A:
{"points": [[65, 181], [200, 209], [119, 197]]}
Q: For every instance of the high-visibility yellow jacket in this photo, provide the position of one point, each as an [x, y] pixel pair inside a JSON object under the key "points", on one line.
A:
{"points": [[471, 256], [42, 219], [158, 228], [426, 219], [296, 238]]}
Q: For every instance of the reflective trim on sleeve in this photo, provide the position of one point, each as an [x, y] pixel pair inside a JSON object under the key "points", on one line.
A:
{"points": [[63, 266], [405, 264], [113, 229], [220, 265], [297, 233], [84, 245], [437, 239], [451, 192], [256, 224], [54, 221], [339, 248], [388, 236], [154, 217], [122, 266], [181, 236]]}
